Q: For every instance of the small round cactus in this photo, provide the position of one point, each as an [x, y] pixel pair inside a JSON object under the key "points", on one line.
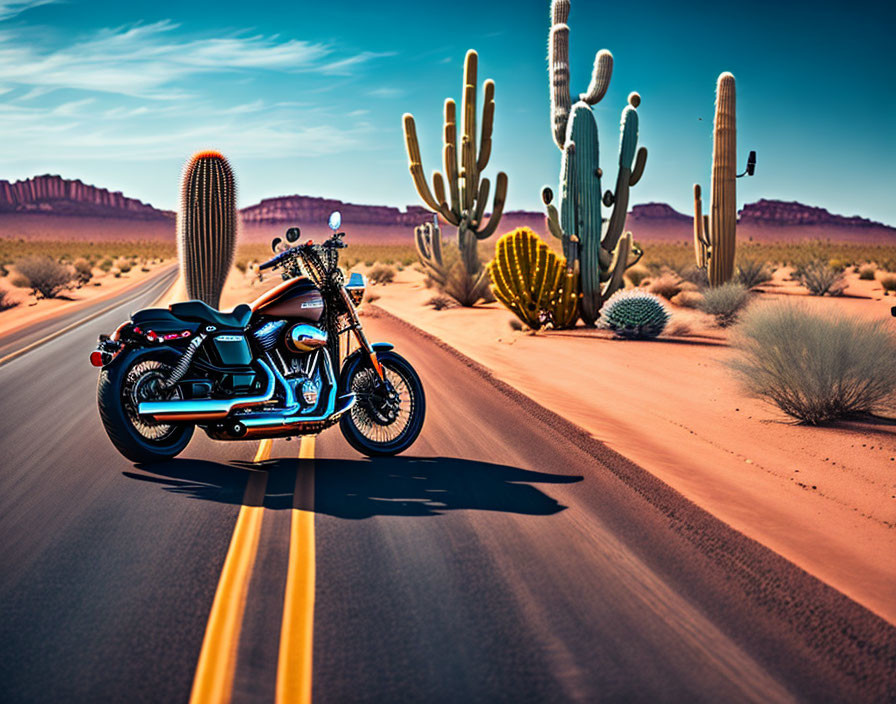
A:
{"points": [[634, 314]]}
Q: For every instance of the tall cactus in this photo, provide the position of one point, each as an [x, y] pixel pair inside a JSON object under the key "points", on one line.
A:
{"points": [[533, 282], [463, 204], [715, 234], [207, 225], [596, 243]]}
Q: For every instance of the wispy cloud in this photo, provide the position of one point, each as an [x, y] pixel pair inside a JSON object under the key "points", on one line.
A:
{"points": [[386, 92], [11, 9], [151, 60]]}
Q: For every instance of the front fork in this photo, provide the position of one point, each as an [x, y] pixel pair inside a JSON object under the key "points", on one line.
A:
{"points": [[359, 334]]}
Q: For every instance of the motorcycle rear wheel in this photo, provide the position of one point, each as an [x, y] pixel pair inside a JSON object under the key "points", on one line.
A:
{"points": [[121, 386], [384, 420]]}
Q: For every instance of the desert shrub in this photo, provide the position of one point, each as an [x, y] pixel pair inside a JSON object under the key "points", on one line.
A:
{"points": [[47, 278], [867, 272], [6, 301], [634, 314], [371, 297], [123, 265], [3, 270], [106, 265], [441, 302], [381, 274], [821, 278], [815, 367], [83, 271], [752, 273], [515, 324], [242, 265], [837, 264], [678, 327], [666, 285], [687, 299], [19, 280], [637, 274], [888, 282], [725, 302], [695, 275]]}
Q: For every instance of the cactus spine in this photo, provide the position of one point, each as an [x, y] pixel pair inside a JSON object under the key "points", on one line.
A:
{"points": [[599, 247], [463, 204], [715, 233], [533, 282], [207, 225]]}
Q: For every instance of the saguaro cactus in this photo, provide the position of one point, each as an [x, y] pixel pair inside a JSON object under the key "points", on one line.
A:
{"points": [[207, 225], [463, 204], [533, 282], [715, 234], [596, 243]]}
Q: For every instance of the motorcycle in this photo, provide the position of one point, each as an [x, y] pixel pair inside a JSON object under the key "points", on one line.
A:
{"points": [[267, 369]]}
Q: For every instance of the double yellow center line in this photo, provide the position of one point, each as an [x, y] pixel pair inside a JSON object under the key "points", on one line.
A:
{"points": [[213, 682]]}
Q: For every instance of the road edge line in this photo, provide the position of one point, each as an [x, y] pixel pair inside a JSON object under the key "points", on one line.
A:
{"points": [[294, 664]]}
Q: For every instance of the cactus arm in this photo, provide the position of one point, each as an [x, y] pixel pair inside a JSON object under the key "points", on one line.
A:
{"points": [[638, 170], [469, 180], [416, 166], [488, 119], [561, 101], [553, 221], [701, 241], [449, 158], [438, 187], [628, 140], [618, 267], [497, 208], [481, 200], [600, 78], [637, 252]]}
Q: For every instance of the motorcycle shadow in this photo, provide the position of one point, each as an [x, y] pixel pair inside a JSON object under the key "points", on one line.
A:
{"points": [[368, 487]]}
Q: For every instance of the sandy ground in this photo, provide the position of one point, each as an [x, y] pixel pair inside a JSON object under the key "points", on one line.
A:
{"points": [[825, 498], [101, 287]]}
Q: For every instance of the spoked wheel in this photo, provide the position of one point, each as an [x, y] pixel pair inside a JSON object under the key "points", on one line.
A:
{"points": [[122, 386], [388, 415]]}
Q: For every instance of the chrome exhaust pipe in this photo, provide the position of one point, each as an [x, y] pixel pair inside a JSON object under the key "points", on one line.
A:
{"points": [[206, 408]]}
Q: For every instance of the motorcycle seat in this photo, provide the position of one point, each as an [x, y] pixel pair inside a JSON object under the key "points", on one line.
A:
{"points": [[204, 313]]}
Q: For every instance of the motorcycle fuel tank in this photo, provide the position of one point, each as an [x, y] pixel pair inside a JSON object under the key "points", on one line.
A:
{"points": [[295, 298]]}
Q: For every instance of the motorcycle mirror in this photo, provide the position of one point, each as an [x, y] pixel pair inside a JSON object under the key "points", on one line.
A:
{"points": [[275, 243], [335, 221], [751, 164], [293, 234]]}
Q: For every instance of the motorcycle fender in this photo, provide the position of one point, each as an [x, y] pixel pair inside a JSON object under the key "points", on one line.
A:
{"points": [[355, 358]]}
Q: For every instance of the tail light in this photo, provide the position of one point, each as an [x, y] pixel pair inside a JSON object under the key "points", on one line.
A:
{"points": [[96, 358]]}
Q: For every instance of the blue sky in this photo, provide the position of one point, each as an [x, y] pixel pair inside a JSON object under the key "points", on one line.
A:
{"points": [[308, 97]]}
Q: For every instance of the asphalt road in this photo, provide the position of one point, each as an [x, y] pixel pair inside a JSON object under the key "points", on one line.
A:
{"points": [[505, 557]]}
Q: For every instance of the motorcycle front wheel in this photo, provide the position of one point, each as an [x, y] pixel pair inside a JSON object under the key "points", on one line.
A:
{"points": [[388, 415], [130, 379]]}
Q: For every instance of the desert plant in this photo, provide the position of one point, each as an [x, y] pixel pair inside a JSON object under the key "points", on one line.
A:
{"points": [[815, 367], [637, 274], [381, 274], [667, 285], [533, 282], [444, 266], [634, 314], [83, 271], [47, 278], [752, 273], [371, 297], [3, 270], [463, 204], [106, 265], [6, 301], [725, 302], [888, 282], [715, 234], [440, 302], [601, 251], [515, 324], [19, 280], [687, 299], [822, 279], [207, 224], [242, 265], [867, 272], [678, 327]]}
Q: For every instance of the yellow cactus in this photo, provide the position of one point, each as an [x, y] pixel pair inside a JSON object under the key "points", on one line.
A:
{"points": [[533, 282]]}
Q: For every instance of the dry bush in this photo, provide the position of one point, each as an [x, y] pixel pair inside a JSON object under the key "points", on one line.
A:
{"points": [[441, 302], [242, 265], [815, 367], [752, 272], [3, 270], [47, 277], [6, 301], [867, 272], [725, 302], [123, 265], [667, 285], [19, 280], [821, 278], [515, 324], [83, 271], [696, 276], [888, 282], [371, 297], [678, 327], [687, 299], [106, 265], [381, 274], [637, 274]]}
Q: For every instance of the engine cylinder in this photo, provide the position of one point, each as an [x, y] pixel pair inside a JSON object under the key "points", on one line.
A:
{"points": [[305, 338]]}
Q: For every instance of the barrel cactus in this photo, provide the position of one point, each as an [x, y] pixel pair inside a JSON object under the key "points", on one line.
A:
{"points": [[533, 282], [207, 226], [634, 314], [596, 243]]}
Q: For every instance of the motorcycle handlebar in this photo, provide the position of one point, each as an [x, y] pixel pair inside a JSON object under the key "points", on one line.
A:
{"points": [[335, 242]]}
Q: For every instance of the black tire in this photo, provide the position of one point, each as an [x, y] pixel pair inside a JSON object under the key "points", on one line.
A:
{"points": [[119, 425], [359, 424]]}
